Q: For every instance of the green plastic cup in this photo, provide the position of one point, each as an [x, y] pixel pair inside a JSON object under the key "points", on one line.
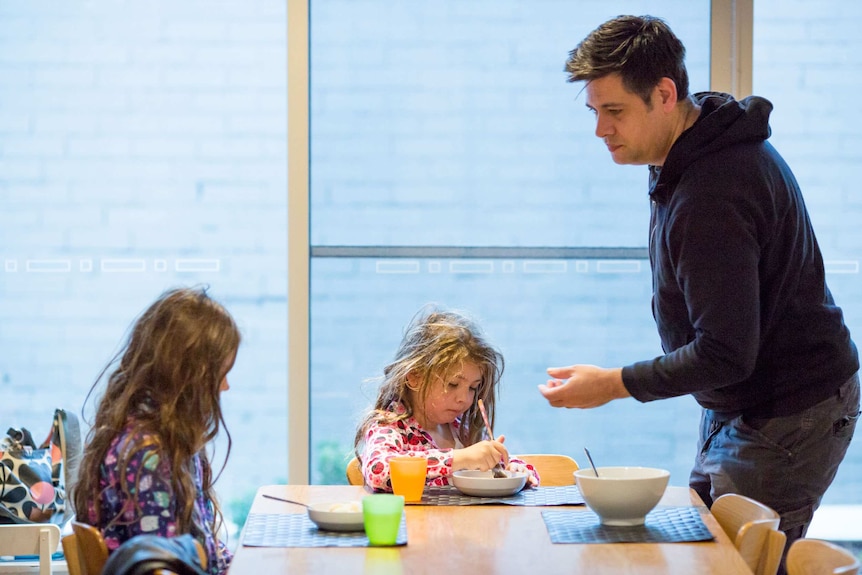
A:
{"points": [[381, 514]]}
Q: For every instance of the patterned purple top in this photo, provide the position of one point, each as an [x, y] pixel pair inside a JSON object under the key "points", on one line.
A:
{"points": [[120, 520]]}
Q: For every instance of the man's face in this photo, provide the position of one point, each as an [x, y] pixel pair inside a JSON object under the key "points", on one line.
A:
{"points": [[634, 132]]}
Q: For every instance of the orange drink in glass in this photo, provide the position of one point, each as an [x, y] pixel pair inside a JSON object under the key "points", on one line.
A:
{"points": [[408, 477]]}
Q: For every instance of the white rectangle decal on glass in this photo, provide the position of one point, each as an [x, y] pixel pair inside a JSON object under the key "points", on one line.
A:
{"points": [[618, 267], [842, 267], [124, 266], [471, 267], [49, 266], [545, 267], [398, 267], [197, 265]]}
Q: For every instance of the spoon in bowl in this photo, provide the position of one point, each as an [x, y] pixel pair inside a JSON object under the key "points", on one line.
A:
{"points": [[593, 465], [497, 470]]}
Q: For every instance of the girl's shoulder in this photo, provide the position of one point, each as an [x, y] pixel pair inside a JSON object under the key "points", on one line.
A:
{"points": [[397, 408], [393, 413], [133, 438], [393, 418]]}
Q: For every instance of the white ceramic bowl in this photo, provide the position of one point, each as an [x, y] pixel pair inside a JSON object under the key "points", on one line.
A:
{"points": [[622, 495], [484, 484], [337, 516]]}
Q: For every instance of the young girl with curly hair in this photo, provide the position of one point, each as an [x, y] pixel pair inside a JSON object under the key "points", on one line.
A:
{"points": [[427, 403], [145, 467]]}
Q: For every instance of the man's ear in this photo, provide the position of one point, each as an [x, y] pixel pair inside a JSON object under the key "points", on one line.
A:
{"points": [[666, 89]]}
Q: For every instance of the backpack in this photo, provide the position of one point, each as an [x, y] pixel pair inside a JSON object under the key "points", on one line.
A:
{"points": [[34, 480]]}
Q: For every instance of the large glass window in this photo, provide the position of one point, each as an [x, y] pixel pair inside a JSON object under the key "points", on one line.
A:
{"points": [[807, 62], [452, 124], [142, 147]]}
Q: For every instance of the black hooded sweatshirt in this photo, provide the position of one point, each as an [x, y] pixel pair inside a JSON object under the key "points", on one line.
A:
{"points": [[740, 300]]}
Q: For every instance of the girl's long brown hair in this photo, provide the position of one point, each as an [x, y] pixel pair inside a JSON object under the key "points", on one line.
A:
{"points": [[166, 385], [434, 343]]}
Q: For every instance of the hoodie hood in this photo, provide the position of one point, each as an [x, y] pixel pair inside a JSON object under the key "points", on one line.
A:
{"points": [[723, 122]]}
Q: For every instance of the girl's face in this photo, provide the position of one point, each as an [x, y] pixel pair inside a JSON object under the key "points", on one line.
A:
{"points": [[228, 365], [451, 395]]}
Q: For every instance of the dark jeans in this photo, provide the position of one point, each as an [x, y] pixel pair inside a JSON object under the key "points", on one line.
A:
{"points": [[784, 462]]}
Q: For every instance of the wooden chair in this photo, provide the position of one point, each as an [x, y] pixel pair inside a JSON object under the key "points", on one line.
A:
{"points": [[40, 539], [354, 473], [554, 469], [91, 552], [86, 552], [73, 555], [753, 528], [816, 557]]}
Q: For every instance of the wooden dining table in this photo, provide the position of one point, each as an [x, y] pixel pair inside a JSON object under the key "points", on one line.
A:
{"points": [[482, 539]]}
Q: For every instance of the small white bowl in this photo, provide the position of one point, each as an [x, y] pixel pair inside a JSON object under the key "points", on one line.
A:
{"points": [[484, 484], [337, 516], [622, 495]]}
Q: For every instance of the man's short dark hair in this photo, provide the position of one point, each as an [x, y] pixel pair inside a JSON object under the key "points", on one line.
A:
{"points": [[642, 49]]}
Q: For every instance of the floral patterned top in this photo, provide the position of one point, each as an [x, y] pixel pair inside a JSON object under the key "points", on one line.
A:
{"points": [[406, 437], [120, 520]]}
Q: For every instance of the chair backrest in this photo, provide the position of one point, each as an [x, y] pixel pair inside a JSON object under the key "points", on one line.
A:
{"points": [[816, 557], [753, 528], [77, 564], [40, 539], [773, 551], [91, 548], [554, 469], [73, 554], [354, 473], [150, 554]]}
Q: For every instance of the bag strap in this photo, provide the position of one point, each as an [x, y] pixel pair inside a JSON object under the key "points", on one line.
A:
{"points": [[69, 437], [70, 444], [21, 437]]}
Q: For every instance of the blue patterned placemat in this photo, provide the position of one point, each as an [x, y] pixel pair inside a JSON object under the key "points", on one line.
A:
{"points": [[539, 496], [663, 525], [297, 530]]}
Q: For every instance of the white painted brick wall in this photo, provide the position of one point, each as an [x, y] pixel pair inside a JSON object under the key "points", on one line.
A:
{"points": [[156, 131], [153, 132]]}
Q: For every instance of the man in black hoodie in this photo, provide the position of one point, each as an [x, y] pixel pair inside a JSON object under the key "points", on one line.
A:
{"points": [[747, 323]]}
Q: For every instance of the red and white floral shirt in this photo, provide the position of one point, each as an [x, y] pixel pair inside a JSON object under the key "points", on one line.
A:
{"points": [[407, 437]]}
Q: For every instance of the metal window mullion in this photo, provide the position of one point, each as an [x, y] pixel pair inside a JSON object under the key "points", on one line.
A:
{"points": [[731, 46], [486, 252], [298, 394]]}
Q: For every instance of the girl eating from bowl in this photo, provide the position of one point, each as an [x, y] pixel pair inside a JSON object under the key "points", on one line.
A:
{"points": [[427, 403]]}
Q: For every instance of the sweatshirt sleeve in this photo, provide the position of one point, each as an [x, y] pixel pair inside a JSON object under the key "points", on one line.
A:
{"points": [[522, 465], [709, 286]]}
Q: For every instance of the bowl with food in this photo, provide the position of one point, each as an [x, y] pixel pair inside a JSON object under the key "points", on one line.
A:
{"points": [[622, 495], [484, 484], [337, 516]]}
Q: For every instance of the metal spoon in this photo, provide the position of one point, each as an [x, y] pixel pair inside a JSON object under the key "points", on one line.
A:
{"points": [[285, 500], [593, 465], [497, 470]]}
